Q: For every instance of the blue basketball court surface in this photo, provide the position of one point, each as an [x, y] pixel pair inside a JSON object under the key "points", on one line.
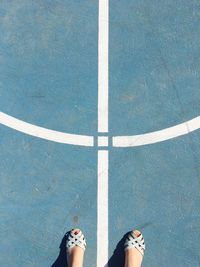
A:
{"points": [[75, 154]]}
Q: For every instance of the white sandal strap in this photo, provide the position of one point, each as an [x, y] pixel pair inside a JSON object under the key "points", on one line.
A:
{"points": [[75, 240], [135, 242]]}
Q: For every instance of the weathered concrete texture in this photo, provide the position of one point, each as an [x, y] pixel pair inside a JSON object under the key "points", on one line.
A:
{"points": [[159, 185], [48, 77], [48, 69], [44, 193], [154, 64]]}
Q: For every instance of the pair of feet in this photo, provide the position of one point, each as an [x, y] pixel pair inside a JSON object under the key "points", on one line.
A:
{"points": [[134, 249]]}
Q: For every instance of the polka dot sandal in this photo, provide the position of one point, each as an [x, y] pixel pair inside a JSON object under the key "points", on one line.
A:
{"points": [[134, 241], [75, 238]]}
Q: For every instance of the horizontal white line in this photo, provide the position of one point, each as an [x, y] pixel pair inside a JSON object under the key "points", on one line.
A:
{"points": [[84, 140], [102, 213], [60, 137], [158, 136]]}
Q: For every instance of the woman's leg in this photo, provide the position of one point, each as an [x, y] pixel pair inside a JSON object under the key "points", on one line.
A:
{"points": [[133, 258], [75, 255]]}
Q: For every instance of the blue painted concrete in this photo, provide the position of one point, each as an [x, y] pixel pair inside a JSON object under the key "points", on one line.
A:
{"points": [[44, 193], [156, 189], [48, 77], [154, 80], [49, 56], [154, 64]]}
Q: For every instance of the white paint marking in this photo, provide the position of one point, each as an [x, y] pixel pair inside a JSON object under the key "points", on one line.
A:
{"points": [[103, 65], [60, 137], [84, 140], [102, 141], [158, 136], [102, 212]]}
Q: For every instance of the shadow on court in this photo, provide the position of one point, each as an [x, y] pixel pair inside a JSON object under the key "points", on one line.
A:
{"points": [[61, 260], [118, 256], [117, 259]]}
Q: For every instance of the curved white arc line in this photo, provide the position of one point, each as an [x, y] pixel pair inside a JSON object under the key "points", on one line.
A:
{"points": [[158, 136], [51, 135]]}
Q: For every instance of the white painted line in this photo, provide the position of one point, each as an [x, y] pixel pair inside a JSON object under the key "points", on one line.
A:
{"points": [[102, 141], [103, 65], [158, 136], [102, 209], [60, 137]]}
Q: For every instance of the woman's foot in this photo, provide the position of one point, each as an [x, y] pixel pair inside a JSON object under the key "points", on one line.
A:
{"points": [[75, 248], [134, 249]]}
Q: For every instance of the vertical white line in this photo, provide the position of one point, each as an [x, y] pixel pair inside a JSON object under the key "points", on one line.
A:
{"points": [[103, 65], [102, 212], [102, 198]]}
